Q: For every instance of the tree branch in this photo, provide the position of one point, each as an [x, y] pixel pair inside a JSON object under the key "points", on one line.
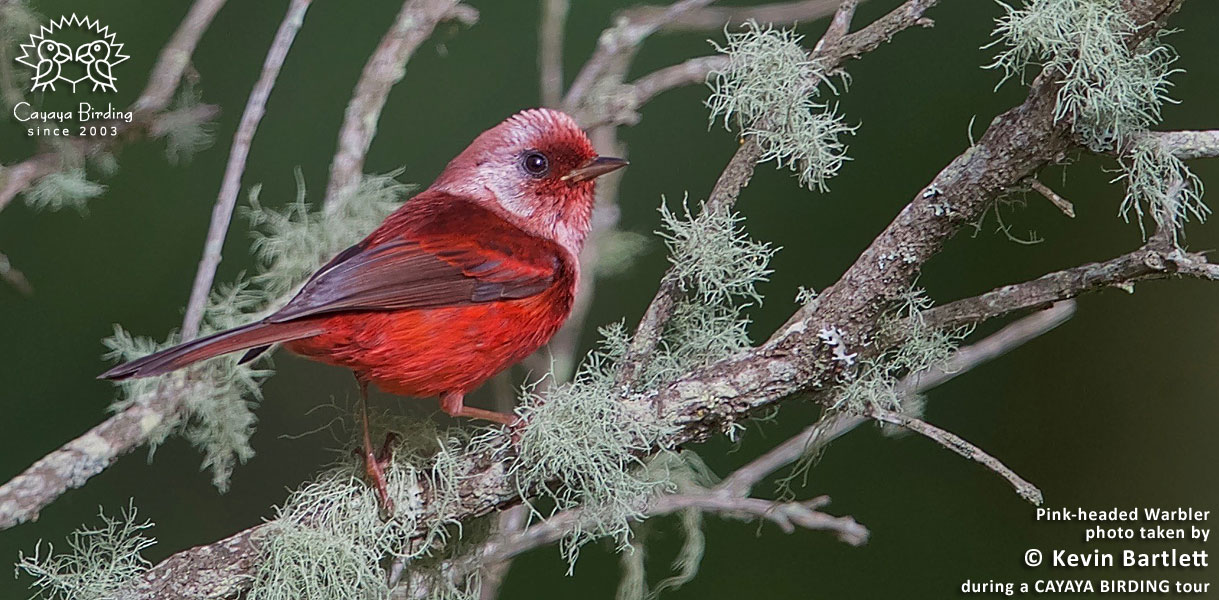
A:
{"points": [[955, 443], [385, 68], [1188, 145], [625, 37], [550, 50], [14, 277], [1152, 261], [712, 18], [230, 186]]}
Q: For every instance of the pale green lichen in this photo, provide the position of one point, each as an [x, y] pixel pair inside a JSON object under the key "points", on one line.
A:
{"points": [[99, 562], [584, 447], [768, 92], [618, 251], [1111, 90], [331, 539], [220, 395], [1160, 184], [877, 382], [714, 254], [186, 129], [69, 188], [292, 243]]}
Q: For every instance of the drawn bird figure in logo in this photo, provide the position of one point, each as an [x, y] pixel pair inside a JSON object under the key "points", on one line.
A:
{"points": [[95, 56], [467, 278], [51, 57]]}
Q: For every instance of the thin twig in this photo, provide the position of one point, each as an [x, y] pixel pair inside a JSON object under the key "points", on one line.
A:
{"points": [[713, 18], [787, 515], [385, 67], [955, 443], [739, 170], [1152, 261], [840, 25], [626, 36], [702, 402], [230, 186], [1063, 204], [814, 437], [175, 57], [550, 50], [1010, 337], [70, 466], [14, 277]]}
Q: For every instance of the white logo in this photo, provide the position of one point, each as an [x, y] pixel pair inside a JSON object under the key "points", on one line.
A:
{"points": [[54, 62]]}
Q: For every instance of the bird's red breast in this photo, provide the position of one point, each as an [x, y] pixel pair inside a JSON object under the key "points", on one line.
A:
{"points": [[466, 278], [468, 293]]}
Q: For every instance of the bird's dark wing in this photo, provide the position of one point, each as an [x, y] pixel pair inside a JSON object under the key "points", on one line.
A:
{"points": [[442, 252]]}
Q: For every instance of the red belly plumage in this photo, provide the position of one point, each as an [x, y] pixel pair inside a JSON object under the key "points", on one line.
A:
{"points": [[429, 352]]}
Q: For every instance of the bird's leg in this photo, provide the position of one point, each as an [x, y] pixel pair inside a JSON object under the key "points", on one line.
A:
{"points": [[374, 463], [451, 403]]}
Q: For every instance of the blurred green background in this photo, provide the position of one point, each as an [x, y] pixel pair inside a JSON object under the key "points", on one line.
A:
{"points": [[1115, 408]]}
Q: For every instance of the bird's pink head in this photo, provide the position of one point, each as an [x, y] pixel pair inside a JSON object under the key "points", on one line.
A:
{"points": [[538, 168]]}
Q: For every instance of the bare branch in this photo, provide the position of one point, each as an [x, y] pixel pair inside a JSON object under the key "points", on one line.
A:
{"points": [[787, 515], [740, 169], [623, 38], [550, 50], [712, 18], [385, 68], [840, 25], [14, 277], [1152, 261], [1010, 337], [623, 107], [230, 186], [70, 466], [1188, 145], [794, 361], [955, 443], [175, 57], [1063, 204], [908, 15]]}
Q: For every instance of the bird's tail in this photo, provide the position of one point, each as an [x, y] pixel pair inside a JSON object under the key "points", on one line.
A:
{"points": [[254, 335]]}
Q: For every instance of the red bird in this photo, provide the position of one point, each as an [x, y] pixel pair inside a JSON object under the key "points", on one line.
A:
{"points": [[467, 278]]}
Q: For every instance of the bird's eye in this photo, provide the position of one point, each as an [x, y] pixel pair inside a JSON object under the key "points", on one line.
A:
{"points": [[535, 164]]}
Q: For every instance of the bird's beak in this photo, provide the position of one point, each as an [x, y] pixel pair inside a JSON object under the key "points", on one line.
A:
{"points": [[595, 167]]}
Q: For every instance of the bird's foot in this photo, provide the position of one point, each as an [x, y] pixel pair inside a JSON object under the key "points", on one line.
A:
{"points": [[454, 405], [375, 465]]}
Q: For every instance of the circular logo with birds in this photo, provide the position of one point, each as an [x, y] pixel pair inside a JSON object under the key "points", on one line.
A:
{"points": [[75, 53]]}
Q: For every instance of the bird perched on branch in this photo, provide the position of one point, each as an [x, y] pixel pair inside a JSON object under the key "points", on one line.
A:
{"points": [[467, 278]]}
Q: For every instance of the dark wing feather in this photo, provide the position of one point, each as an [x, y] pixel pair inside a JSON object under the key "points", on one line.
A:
{"points": [[456, 254]]}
